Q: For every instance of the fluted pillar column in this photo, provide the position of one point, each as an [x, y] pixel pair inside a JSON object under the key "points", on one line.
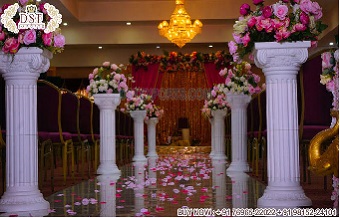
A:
{"points": [[138, 117], [21, 73], [238, 104], [152, 122], [219, 134], [108, 185], [107, 104], [212, 152], [280, 63]]}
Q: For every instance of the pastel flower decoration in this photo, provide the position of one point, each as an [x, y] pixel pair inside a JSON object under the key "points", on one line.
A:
{"points": [[267, 11], [59, 41], [47, 38], [244, 9], [11, 46], [280, 11], [30, 37]]}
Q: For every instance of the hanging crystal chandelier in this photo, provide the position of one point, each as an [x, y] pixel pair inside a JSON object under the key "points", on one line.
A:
{"points": [[180, 30]]}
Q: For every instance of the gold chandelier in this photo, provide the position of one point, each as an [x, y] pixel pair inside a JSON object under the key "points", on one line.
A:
{"points": [[181, 30]]}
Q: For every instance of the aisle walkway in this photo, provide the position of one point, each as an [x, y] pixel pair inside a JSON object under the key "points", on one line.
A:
{"points": [[159, 188]]}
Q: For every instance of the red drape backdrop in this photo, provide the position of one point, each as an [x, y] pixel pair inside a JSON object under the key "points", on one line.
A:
{"points": [[212, 74], [148, 79]]}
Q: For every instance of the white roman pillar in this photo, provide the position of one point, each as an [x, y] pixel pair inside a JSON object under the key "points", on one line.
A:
{"points": [[138, 117], [280, 63], [21, 73], [107, 104], [238, 104], [152, 122], [219, 134], [107, 193], [212, 153]]}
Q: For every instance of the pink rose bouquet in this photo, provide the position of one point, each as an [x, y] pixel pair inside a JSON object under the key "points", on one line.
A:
{"points": [[240, 79], [284, 21], [152, 110], [107, 79], [216, 100], [11, 42], [137, 101]]}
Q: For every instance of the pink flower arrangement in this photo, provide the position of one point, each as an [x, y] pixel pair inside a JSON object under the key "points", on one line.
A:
{"points": [[107, 79], [216, 100], [11, 42], [153, 111], [137, 101], [240, 79], [330, 74], [283, 21]]}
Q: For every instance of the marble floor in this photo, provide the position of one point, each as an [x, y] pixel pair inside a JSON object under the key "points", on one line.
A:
{"points": [[162, 187]]}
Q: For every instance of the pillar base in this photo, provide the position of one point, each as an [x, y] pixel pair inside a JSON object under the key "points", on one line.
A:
{"points": [[108, 168], [238, 167], [154, 155], [219, 157], [24, 201], [139, 158], [283, 197]]}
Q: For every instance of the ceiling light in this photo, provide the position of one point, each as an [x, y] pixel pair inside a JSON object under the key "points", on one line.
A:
{"points": [[128, 23], [65, 24], [331, 43], [100, 47], [210, 46], [158, 46], [180, 30]]}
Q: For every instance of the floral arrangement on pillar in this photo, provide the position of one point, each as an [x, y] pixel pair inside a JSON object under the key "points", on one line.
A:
{"points": [[330, 78], [330, 74], [153, 111], [240, 79], [11, 42], [107, 79], [283, 21], [137, 101], [216, 100]]}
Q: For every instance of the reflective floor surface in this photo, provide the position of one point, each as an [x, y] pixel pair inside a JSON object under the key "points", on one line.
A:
{"points": [[160, 187]]}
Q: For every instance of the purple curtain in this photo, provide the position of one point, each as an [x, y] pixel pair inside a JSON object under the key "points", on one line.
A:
{"points": [[212, 74], [148, 79]]}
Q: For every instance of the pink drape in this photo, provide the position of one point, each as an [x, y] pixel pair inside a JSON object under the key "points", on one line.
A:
{"points": [[212, 74], [149, 79]]}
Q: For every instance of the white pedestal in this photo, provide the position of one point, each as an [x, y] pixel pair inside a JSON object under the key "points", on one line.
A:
{"points": [[219, 183], [239, 189], [107, 104], [280, 64], [107, 193], [212, 153], [238, 104], [21, 73], [219, 134], [152, 136], [138, 117]]}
